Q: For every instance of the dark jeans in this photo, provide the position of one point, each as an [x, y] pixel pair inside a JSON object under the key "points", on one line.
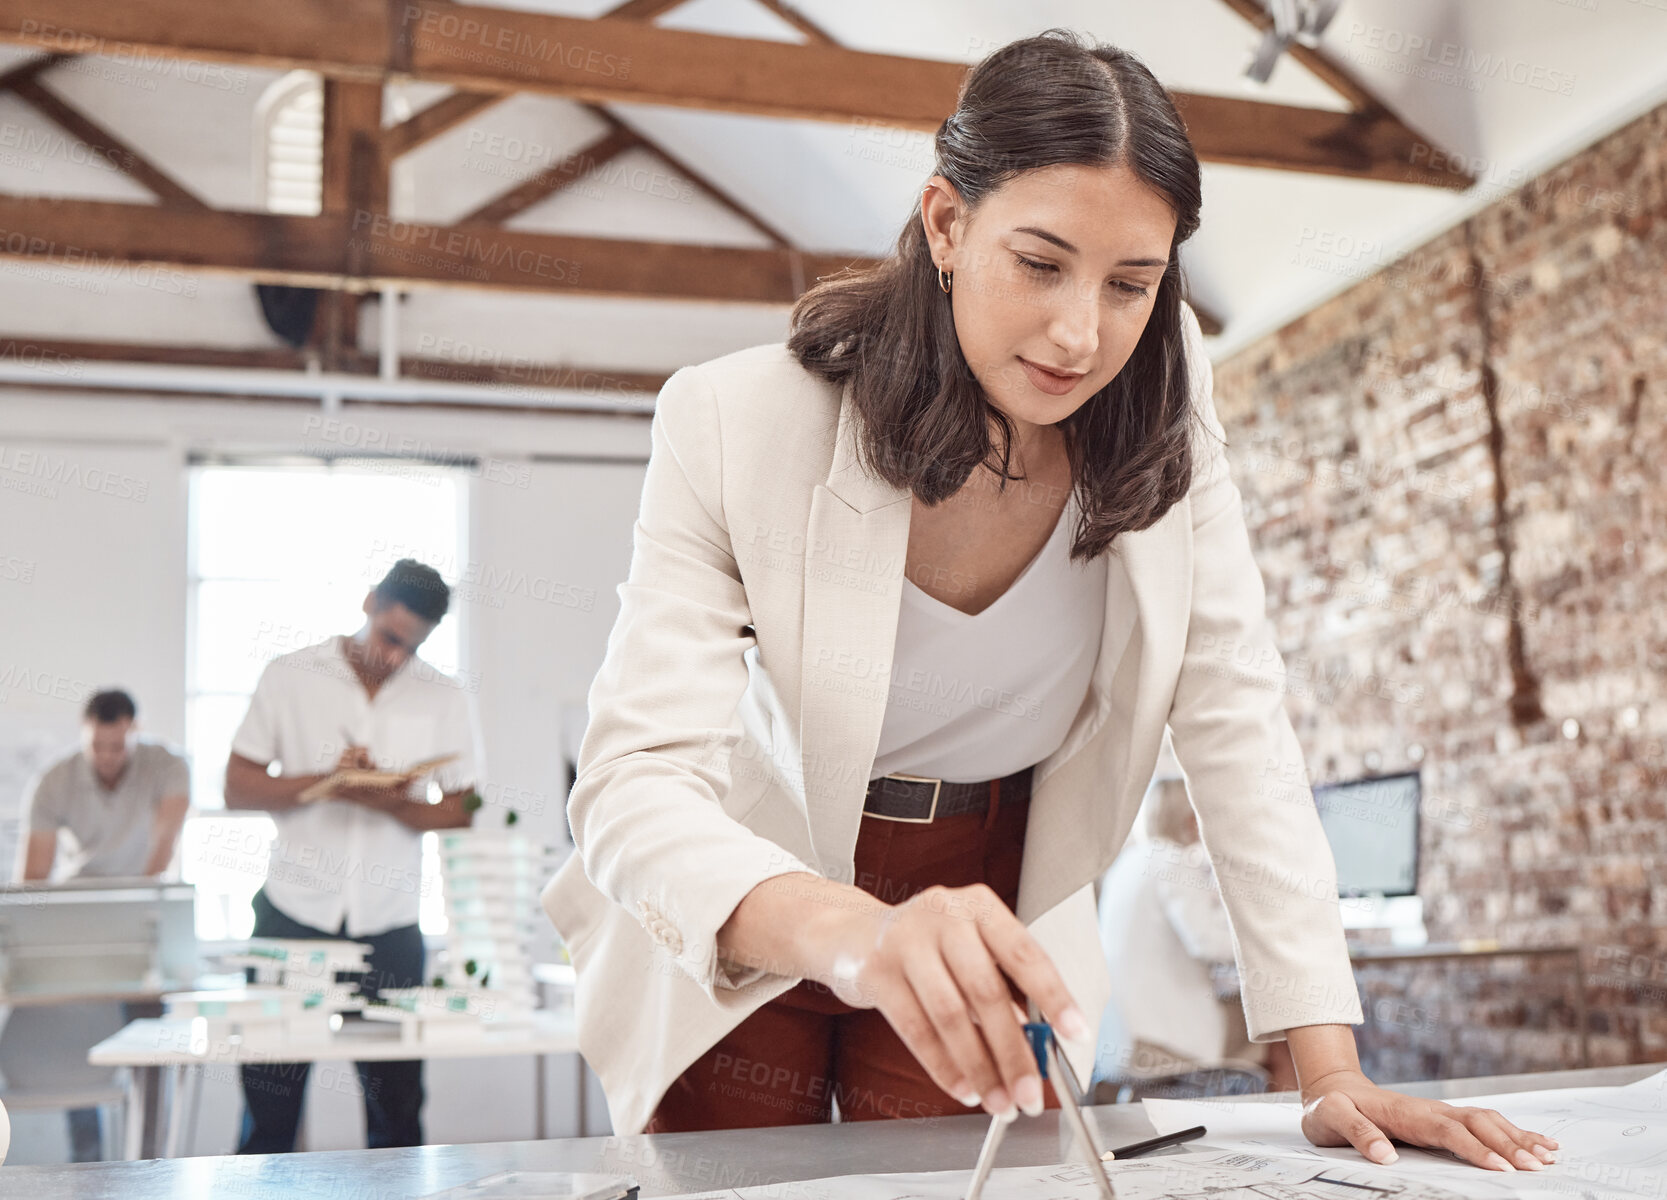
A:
{"points": [[84, 1135], [393, 1091], [85, 1126]]}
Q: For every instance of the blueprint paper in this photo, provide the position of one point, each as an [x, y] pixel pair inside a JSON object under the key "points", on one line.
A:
{"points": [[1613, 1147], [1208, 1175], [1191, 1175], [1612, 1141]]}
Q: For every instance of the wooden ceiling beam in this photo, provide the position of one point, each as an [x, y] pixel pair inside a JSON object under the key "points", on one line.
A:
{"points": [[28, 348], [1329, 73], [522, 196], [1208, 323], [283, 358], [518, 375], [1367, 145], [1356, 94], [360, 251], [651, 8], [437, 118], [30, 69], [799, 21], [699, 178], [519, 197], [354, 166], [355, 183], [24, 82], [458, 107], [345, 38], [617, 60], [642, 10], [614, 60]]}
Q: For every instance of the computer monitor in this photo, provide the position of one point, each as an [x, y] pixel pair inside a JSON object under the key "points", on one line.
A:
{"points": [[1372, 825]]}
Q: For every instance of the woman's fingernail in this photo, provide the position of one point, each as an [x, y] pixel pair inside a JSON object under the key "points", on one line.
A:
{"points": [[1074, 1024], [997, 1102], [1029, 1095], [970, 1099], [1527, 1161], [1499, 1163], [1382, 1151]]}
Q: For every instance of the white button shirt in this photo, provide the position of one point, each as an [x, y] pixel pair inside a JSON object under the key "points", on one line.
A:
{"points": [[333, 859]]}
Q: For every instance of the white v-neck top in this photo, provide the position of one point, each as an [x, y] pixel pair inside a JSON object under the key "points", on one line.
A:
{"points": [[980, 695]]}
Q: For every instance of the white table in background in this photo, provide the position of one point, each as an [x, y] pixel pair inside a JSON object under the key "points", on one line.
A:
{"points": [[175, 1046]]}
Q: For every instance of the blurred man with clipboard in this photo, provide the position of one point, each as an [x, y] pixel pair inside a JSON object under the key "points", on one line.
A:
{"points": [[358, 727]]}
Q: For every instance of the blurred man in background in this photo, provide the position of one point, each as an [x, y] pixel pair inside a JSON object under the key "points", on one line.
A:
{"points": [[350, 865], [122, 799], [1162, 925]]}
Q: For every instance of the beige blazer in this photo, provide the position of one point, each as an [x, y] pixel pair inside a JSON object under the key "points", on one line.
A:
{"points": [[737, 710]]}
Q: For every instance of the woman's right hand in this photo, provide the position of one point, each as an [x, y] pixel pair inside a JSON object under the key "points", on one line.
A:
{"points": [[934, 966]]}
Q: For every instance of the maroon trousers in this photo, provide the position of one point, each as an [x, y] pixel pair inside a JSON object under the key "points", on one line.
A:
{"points": [[805, 1051]]}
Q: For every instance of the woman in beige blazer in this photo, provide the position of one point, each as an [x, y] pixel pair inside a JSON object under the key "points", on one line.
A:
{"points": [[1031, 318]]}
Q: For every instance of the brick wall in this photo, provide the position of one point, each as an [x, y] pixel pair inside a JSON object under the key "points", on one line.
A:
{"points": [[1455, 474]]}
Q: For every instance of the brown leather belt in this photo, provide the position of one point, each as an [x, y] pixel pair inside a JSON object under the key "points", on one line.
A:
{"points": [[920, 799]]}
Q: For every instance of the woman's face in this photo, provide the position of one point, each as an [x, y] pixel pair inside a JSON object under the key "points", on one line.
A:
{"points": [[1058, 268]]}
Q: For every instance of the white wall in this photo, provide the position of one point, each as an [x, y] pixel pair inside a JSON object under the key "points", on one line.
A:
{"points": [[92, 590], [92, 593]]}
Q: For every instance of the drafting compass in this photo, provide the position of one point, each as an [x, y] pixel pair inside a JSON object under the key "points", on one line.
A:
{"points": [[1053, 1065]]}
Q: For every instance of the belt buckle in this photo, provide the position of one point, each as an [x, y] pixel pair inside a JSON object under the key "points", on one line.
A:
{"points": [[937, 786]]}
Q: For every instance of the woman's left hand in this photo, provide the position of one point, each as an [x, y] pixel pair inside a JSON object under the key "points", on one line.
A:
{"points": [[1344, 1108]]}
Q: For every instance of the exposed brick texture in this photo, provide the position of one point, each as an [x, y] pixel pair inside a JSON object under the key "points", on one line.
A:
{"points": [[1455, 474]]}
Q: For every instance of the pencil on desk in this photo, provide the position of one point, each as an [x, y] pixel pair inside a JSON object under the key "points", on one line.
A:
{"points": [[1157, 1143]]}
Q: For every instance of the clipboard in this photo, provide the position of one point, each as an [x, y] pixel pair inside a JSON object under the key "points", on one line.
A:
{"points": [[371, 777]]}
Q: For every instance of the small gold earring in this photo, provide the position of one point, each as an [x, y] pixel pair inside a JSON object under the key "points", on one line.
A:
{"points": [[945, 282]]}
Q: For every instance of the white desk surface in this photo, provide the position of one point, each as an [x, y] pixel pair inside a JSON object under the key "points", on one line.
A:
{"points": [[114, 990], [663, 1164], [172, 1041]]}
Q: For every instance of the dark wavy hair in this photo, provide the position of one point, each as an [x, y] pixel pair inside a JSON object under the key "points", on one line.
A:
{"points": [[418, 587], [924, 419], [108, 707]]}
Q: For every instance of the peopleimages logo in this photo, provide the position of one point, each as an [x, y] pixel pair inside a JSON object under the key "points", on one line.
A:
{"points": [[20, 678], [509, 40], [29, 469], [1465, 63], [459, 249], [96, 267], [63, 40], [421, 452]]}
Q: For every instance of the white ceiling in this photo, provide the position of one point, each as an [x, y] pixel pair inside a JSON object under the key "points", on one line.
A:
{"points": [[1257, 262]]}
